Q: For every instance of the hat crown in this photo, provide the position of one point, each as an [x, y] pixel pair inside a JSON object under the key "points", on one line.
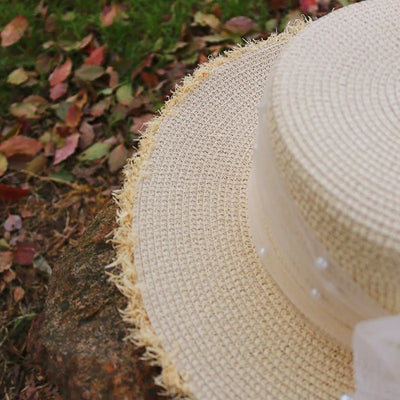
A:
{"points": [[334, 124]]}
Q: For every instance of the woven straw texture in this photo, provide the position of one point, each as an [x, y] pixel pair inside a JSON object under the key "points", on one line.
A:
{"points": [[335, 119], [216, 315]]}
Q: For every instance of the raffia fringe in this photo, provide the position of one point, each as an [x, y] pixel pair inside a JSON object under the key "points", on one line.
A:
{"points": [[122, 271]]}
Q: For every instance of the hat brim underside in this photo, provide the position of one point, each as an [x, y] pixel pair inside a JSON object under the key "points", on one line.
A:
{"points": [[199, 299]]}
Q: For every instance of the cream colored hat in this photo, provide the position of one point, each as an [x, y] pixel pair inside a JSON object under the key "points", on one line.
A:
{"points": [[260, 223]]}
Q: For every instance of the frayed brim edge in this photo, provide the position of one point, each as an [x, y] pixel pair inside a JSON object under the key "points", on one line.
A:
{"points": [[122, 271]]}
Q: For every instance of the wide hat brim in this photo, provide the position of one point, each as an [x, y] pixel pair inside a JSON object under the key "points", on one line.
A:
{"points": [[200, 301]]}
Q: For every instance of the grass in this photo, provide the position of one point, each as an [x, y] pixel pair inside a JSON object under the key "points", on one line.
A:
{"points": [[147, 26]]}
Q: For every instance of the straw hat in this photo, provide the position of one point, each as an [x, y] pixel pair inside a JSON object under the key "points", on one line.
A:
{"points": [[252, 247]]}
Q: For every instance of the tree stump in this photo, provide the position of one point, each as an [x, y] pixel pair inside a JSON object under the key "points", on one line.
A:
{"points": [[81, 340]]}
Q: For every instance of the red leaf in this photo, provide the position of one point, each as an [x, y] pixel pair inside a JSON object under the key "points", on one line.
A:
{"points": [[58, 90], [73, 117], [309, 6], [149, 78], [71, 142], [96, 57], [240, 25], [13, 31], [24, 253], [108, 15], [61, 73], [20, 145], [12, 193]]}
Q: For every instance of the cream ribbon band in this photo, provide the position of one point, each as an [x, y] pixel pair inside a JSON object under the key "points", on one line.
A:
{"points": [[315, 283], [292, 254]]}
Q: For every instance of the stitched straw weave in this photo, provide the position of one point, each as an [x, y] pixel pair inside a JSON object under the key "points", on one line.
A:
{"points": [[335, 119], [199, 299]]}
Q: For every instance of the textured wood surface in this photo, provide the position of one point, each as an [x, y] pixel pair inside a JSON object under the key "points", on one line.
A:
{"points": [[81, 339]]}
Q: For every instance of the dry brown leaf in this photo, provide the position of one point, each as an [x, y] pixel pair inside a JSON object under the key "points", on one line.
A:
{"points": [[21, 145], [19, 294], [6, 260]]}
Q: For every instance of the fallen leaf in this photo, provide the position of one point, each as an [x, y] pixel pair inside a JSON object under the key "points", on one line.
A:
{"points": [[24, 110], [114, 79], [12, 193], [24, 253], [18, 76], [3, 164], [96, 57], [13, 222], [275, 5], [89, 72], [309, 6], [117, 158], [6, 260], [206, 20], [139, 123], [71, 143], [85, 41], [124, 94], [14, 30], [149, 78], [40, 263], [43, 63], [98, 109], [73, 116], [58, 90], [50, 24], [110, 14], [9, 276], [61, 73], [107, 15], [62, 176], [87, 135], [35, 100], [95, 152], [19, 294], [20, 145], [240, 25], [79, 99], [216, 10]]}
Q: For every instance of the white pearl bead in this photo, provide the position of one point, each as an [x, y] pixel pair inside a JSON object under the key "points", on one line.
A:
{"points": [[315, 293], [261, 252], [321, 263], [255, 146], [346, 397]]}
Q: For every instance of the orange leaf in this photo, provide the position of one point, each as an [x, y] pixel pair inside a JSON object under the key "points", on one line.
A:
{"points": [[14, 30], [73, 117], [61, 73], [96, 57], [20, 145], [19, 294], [58, 90]]}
